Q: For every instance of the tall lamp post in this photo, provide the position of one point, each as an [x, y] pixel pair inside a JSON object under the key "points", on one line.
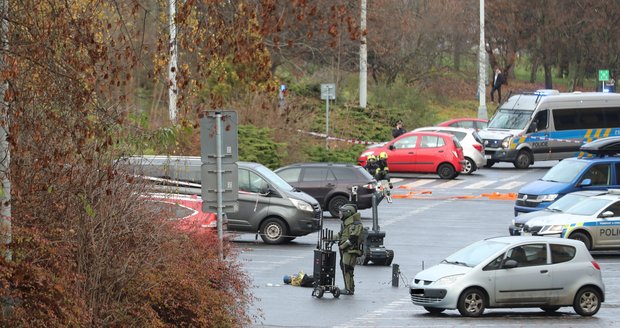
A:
{"points": [[482, 71]]}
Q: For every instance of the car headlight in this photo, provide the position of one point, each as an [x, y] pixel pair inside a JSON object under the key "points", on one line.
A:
{"points": [[513, 222], [367, 153], [552, 229], [547, 198], [449, 280], [300, 204], [506, 142]]}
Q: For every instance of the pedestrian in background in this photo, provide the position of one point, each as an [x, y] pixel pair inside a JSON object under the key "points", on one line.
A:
{"points": [[399, 130], [498, 80]]}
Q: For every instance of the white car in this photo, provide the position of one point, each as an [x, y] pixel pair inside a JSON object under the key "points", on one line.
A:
{"points": [[473, 148], [509, 272]]}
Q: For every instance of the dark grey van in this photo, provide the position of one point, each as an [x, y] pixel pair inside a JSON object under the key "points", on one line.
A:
{"points": [[267, 204]]}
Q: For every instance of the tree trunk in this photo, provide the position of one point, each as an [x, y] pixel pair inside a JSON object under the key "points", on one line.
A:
{"points": [[534, 70], [5, 155], [548, 76]]}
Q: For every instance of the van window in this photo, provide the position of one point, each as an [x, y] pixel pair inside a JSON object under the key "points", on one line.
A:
{"points": [[540, 121], [617, 174], [600, 174], [251, 182], [578, 118], [612, 117], [432, 142], [510, 119]]}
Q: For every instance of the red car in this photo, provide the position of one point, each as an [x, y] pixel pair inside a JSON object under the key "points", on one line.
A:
{"points": [[421, 152], [185, 210], [466, 122]]}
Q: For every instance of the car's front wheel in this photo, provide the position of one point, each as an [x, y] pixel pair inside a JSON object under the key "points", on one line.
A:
{"points": [[523, 160], [446, 171], [274, 231], [472, 302], [469, 167], [584, 238], [335, 203], [587, 301]]}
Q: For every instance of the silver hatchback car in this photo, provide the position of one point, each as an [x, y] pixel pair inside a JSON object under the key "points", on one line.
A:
{"points": [[515, 271]]}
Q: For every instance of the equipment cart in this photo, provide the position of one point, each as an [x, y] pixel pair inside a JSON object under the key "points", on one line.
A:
{"points": [[325, 266]]}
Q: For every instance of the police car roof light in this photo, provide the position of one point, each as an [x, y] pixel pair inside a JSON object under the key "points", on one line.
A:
{"points": [[546, 92], [613, 191]]}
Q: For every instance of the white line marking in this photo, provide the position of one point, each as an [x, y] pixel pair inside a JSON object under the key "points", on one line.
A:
{"points": [[418, 183], [480, 184], [511, 185], [450, 184]]}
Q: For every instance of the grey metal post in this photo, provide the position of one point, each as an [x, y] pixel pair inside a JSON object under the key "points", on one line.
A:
{"points": [[218, 161], [482, 107], [375, 213], [395, 274], [327, 120]]}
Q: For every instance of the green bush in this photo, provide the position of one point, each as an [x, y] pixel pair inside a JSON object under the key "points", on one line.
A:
{"points": [[339, 155], [256, 145]]}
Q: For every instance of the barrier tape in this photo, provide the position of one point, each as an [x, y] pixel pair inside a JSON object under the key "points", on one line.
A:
{"points": [[353, 141]]}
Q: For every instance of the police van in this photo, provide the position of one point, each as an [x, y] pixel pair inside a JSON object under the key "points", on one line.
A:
{"points": [[549, 125]]}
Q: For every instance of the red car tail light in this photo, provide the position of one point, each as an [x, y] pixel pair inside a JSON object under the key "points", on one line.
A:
{"points": [[478, 147], [595, 265]]}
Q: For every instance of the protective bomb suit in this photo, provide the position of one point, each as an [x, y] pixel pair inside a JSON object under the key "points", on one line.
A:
{"points": [[349, 242]]}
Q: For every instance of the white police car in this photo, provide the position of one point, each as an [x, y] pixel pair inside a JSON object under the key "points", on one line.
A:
{"points": [[594, 220]]}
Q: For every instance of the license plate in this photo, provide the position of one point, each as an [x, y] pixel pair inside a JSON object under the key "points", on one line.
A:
{"points": [[487, 156]]}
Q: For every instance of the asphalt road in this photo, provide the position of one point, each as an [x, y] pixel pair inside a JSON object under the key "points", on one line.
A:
{"points": [[435, 218]]}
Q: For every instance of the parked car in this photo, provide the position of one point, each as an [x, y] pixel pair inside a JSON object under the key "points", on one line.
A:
{"points": [[466, 122], [514, 271], [266, 203], [559, 206], [601, 171], [185, 211], [594, 220], [421, 152], [473, 150], [330, 183]]}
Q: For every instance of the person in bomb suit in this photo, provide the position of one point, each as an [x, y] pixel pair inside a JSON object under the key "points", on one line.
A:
{"points": [[349, 241]]}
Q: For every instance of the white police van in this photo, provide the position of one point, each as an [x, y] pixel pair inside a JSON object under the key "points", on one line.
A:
{"points": [[549, 125]]}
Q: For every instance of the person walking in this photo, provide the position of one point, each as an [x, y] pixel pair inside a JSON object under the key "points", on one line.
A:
{"points": [[399, 130], [498, 80], [349, 241]]}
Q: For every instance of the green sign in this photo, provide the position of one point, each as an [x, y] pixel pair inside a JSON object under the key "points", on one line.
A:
{"points": [[603, 75]]}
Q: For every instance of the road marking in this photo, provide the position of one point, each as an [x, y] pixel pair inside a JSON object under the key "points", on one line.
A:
{"points": [[510, 185], [480, 185], [450, 184], [396, 180], [418, 183]]}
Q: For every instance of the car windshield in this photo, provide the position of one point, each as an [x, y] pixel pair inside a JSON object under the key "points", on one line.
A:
{"points": [[565, 202], [274, 178], [565, 171], [588, 206], [475, 253], [510, 119]]}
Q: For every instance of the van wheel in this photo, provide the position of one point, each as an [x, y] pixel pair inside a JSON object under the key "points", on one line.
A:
{"points": [[274, 231], [335, 203], [469, 167], [523, 160], [583, 238], [446, 171]]}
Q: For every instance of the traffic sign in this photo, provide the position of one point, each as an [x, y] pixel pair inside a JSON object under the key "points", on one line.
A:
{"points": [[328, 91], [208, 134], [603, 75]]}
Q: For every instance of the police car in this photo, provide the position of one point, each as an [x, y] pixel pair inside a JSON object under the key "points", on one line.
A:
{"points": [[594, 220]]}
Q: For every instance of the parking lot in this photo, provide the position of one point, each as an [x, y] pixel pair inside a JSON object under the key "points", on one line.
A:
{"points": [[436, 219]]}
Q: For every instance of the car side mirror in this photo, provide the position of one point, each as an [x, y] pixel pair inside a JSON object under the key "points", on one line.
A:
{"points": [[607, 214], [585, 183], [391, 147], [510, 264]]}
